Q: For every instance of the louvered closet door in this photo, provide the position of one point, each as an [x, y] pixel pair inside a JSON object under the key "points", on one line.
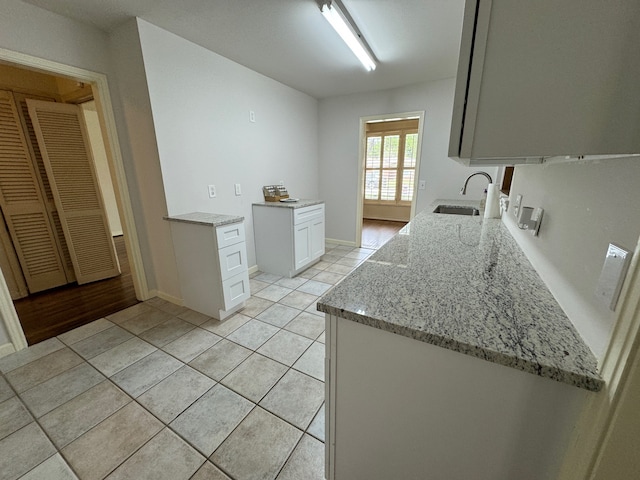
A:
{"points": [[23, 205], [36, 158], [64, 146]]}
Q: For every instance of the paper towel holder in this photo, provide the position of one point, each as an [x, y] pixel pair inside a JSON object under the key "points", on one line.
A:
{"points": [[530, 219]]}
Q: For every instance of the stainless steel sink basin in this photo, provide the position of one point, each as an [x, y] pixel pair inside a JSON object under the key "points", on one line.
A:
{"points": [[456, 210]]}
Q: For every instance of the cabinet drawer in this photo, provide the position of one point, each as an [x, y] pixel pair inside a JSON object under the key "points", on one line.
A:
{"points": [[305, 214], [235, 290], [230, 234], [233, 260]]}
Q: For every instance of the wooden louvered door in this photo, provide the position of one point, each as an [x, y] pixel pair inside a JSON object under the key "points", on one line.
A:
{"points": [[65, 150], [36, 157], [23, 206]]}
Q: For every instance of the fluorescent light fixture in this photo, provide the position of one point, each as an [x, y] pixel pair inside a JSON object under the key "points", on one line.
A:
{"points": [[348, 33]]}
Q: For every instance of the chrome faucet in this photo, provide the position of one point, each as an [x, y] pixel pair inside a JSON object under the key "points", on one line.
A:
{"points": [[463, 190]]}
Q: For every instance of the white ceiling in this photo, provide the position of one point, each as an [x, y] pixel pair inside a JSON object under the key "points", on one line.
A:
{"points": [[290, 41]]}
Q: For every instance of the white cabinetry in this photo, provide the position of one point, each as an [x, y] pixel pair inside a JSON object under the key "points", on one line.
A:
{"points": [[212, 266], [288, 240], [546, 78]]}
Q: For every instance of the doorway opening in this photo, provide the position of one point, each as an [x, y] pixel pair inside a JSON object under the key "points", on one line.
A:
{"points": [[88, 283], [389, 168]]}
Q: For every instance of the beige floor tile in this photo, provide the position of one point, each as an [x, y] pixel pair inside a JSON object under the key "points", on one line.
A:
{"points": [[257, 285], [341, 269], [28, 355], [194, 317], [191, 344], [104, 447], [176, 393], [313, 308], [212, 418], [220, 359], [23, 450], [128, 313], [166, 306], [41, 370], [299, 300], [167, 332], [296, 398], [314, 287], [321, 265], [209, 471], [101, 342], [165, 457], [78, 416], [321, 338], [309, 273], [53, 468], [13, 416], [267, 277], [121, 356], [54, 392], [273, 292], [317, 425], [312, 361], [278, 315], [269, 440], [254, 377], [349, 262], [255, 306], [329, 258], [146, 320], [285, 347], [328, 277], [253, 334], [6, 391], [306, 461], [85, 331], [292, 283], [144, 374], [225, 327], [306, 324]]}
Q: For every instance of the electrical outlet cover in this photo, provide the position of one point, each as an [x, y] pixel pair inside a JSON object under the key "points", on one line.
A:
{"points": [[612, 276]]}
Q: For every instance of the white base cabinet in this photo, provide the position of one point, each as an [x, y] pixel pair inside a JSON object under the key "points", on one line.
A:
{"points": [[288, 240], [212, 267]]}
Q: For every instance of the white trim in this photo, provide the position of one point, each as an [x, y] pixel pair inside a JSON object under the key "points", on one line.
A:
{"points": [[345, 243], [116, 166], [6, 349], [598, 417], [253, 269], [362, 139], [167, 297]]}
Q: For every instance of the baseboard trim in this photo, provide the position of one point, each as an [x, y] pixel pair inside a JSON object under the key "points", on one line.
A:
{"points": [[340, 242], [167, 297], [388, 219], [253, 269], [6, 349]]}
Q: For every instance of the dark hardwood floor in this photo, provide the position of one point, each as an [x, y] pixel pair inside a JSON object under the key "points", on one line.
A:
{"points": [[376, 233], [46, 314]]}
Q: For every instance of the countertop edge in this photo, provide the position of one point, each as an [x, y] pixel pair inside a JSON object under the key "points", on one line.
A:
{"points": [[212, 223], [294, 205]]}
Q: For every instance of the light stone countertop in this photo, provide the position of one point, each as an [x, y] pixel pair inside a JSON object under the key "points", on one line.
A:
{"points": [[299, 204], [463, 283], [202, 218]]}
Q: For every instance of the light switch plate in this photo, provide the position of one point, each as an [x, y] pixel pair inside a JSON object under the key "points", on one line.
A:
{"points": [[612, 276], [516, 205]]}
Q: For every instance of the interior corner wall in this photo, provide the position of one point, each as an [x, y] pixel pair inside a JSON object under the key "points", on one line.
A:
{"points": [[587, 205], [339, 130], [141, 161], [201, 105]]}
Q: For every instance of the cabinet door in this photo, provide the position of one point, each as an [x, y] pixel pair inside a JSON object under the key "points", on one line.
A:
{"points": [[317, 238], [233, 260], [302, 244]]}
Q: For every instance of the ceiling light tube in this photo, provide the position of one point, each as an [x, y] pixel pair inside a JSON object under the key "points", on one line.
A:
{"points": [[341, 25]]}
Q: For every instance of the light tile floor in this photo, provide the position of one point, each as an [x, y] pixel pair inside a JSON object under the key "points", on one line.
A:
{"points": [[158, 391]]}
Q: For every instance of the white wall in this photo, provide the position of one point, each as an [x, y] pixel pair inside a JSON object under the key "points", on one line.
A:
{"points": [[201, 103], [587, 206], [102, 166], [339, 123]]}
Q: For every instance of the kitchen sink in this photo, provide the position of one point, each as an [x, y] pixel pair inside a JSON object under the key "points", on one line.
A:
{"points": [[456, 210]]}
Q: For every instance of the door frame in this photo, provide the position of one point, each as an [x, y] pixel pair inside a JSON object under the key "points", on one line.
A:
{"points": [[104, 107], [362, 149]]}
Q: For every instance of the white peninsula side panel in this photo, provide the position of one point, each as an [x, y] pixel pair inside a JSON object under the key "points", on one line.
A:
{"points": [[212, 267], [402, 408]]}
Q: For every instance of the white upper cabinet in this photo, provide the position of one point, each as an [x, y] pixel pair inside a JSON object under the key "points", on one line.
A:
{"points": [[547, 78]]}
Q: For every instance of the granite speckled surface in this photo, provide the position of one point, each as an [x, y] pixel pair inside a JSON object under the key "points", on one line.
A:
{"points": [[463, 283], [202, 218], [299, 204]]}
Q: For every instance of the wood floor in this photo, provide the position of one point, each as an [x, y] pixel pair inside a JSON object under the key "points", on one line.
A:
{"points": [[46, 314], [376, 233]]}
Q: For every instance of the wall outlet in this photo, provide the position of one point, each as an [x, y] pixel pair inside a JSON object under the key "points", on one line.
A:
{"points": [[252, 116], [238, 189], [281, 183], [212, 191]]}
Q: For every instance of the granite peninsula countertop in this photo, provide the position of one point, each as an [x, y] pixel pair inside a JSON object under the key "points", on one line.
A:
{"points": [[202, 218], [299, 204], [463, 283]]}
